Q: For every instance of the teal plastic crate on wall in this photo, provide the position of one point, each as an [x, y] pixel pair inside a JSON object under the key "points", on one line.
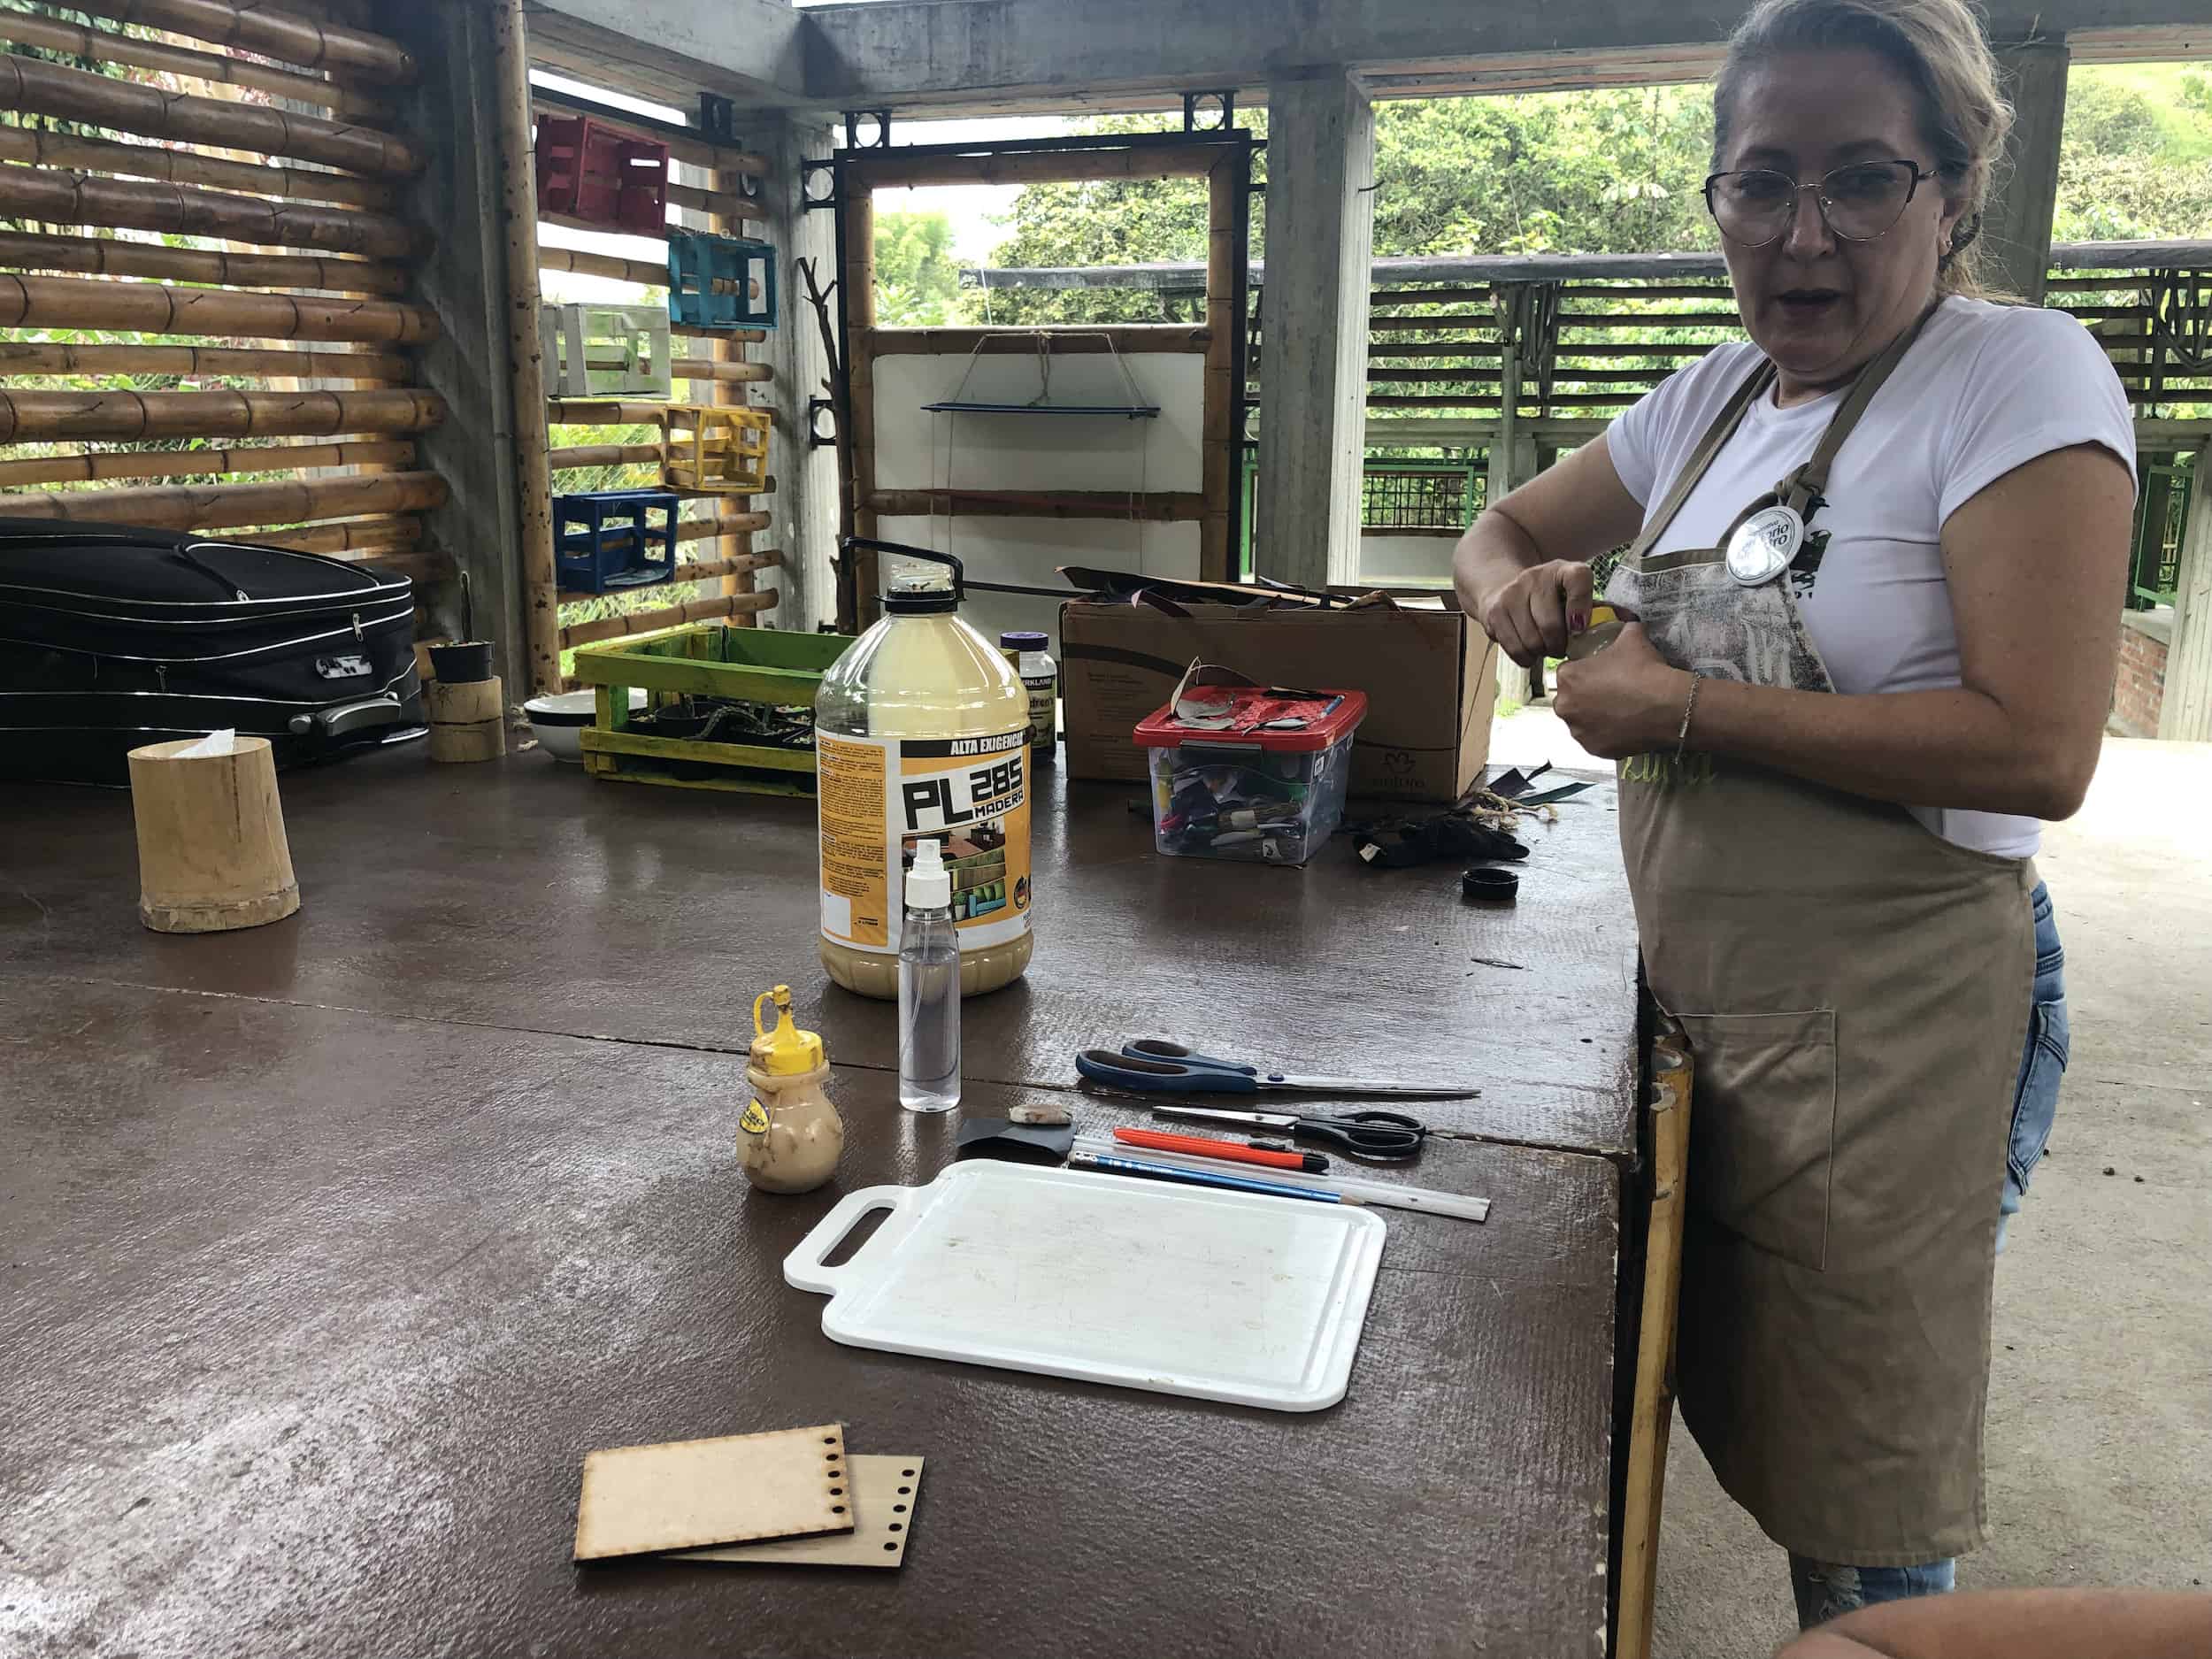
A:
{"points": [[720, 281]]}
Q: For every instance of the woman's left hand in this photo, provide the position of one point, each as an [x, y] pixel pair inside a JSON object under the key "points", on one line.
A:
{"points": [[1624, 699]]}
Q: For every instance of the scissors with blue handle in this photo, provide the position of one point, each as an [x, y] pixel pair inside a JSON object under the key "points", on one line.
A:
{"points": [[1168, 1068]]}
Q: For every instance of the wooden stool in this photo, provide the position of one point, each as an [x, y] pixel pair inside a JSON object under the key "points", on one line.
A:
{"points": [[211, 851], [468, 721]]}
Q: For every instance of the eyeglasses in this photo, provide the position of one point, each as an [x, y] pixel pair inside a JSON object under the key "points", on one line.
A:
{"points": [[1756, 205]]}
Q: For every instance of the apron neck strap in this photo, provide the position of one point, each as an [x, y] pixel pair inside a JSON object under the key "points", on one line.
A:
{"points": [[1800, 490], [1693, 470]]}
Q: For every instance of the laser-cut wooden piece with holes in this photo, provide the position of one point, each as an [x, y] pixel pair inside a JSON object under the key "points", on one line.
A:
{"points": [[642, 1500], [885, 1491]]}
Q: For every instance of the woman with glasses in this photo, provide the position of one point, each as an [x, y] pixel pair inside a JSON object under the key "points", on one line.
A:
{"points": [[1875, 561]]}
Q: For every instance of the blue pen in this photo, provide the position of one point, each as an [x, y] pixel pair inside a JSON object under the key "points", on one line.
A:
{"points": [[1198, 1178]]}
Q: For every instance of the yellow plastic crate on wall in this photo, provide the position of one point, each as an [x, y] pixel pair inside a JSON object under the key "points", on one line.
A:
{"points": [[720, 450], [606, 351]]}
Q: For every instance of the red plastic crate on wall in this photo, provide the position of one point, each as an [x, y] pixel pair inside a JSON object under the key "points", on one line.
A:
{"points": [[600, 175]]}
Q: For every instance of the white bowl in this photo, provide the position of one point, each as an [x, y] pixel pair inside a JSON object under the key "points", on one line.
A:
{"points": [[559, 718]]}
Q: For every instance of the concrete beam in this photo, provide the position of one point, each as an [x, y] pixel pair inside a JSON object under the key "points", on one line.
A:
{"points": [[982, 55], [2017, 224], [749, 50], [1320, 223]]}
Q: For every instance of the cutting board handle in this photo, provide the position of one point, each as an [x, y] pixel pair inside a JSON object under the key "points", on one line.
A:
{"points": [[804, 1270]]}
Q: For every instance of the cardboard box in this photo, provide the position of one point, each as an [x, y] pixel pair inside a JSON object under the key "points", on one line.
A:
{"points": [[1430, 676]]}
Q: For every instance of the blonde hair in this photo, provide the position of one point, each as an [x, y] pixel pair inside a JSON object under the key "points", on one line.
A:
{"points": [[1939, 50]]}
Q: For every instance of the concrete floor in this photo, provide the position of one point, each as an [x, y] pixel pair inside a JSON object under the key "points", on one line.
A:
{"points": [[2100, 1439]]}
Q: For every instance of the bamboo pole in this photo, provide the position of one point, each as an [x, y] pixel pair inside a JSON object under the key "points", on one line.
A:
{"points": [[744, 564], [114, 464], [674, 616], [1651, 1409], [714, 524], [1221, 416], [737, 549], [721, 203], [690, 331], [100, 46], [65, 198], [63, 416], [584, 455], [193, 362], [105, 255], [710, 369], [254, 27], [1158, 506], [426, 567], [1060, 341], [145, 307], [37, 87], [858, 246], [189, 166], [890, 169], [533, 481], [601, 265], [382, 535], [602, 411], [228, 506]]}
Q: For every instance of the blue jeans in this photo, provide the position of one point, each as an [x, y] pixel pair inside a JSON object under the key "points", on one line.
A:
{"points": [[1826, 1590], [2042, 1060]]}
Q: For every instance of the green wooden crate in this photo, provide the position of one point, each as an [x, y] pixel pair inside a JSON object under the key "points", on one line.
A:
{"points": [[750, 664]]}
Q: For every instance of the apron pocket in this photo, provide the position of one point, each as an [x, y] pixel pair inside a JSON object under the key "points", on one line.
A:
{"points": [[1762, 1127]]}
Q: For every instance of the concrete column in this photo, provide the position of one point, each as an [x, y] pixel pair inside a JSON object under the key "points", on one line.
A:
{"points": [[2186, 713], [2017, 224], [1313, 374], [805, 503], [453, 113]]}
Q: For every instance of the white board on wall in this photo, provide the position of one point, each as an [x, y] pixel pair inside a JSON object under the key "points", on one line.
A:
{"points": [[919, 450], [1029, 550], [1395, 561]]}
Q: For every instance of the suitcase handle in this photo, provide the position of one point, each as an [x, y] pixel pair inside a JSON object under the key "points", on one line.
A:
{"points": [[341, 719]]}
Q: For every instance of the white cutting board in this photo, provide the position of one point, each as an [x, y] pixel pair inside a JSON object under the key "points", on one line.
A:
{"points": [[1183, 1290]]}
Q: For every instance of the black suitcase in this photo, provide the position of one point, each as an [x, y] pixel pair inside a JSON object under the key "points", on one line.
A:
{"points": [[112, 637]]}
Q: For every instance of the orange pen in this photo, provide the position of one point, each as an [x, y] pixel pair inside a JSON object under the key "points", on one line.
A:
{"points": [[1228, 1151]]}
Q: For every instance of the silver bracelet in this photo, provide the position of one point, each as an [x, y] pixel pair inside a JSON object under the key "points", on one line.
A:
{"points": [[1689, 708]]}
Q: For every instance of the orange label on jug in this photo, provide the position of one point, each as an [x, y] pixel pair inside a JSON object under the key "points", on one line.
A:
{"points": [[880, 797]]}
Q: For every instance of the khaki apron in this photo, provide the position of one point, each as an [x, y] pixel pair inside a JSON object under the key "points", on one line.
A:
{"points": [[1857, 990]]}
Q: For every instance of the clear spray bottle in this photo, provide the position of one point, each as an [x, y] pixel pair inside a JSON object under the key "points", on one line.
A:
{"points": [[929, 987]]}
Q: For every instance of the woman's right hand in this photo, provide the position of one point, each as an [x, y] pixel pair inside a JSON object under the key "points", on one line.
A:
{"points": [[1537, 610]]}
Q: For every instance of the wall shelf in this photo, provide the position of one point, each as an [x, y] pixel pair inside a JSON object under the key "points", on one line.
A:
{"points": [[1128, 412]]}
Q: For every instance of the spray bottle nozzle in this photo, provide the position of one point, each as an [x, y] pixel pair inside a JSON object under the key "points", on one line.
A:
{"points": [[928, 884]]}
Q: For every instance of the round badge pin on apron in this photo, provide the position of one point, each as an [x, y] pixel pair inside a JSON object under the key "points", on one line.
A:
{"points": [[1763, 545]]}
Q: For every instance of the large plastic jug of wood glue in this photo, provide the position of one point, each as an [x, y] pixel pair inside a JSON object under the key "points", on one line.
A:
{"points": [[921, 730]]}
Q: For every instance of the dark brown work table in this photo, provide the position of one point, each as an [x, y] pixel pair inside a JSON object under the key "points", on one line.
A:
{"points": [[334, 1246]]}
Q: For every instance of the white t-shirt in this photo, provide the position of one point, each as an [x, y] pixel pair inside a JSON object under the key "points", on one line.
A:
{"points": [[1984, 389]]}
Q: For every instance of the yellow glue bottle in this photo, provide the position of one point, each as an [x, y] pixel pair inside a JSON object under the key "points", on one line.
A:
{"points": [[790, 1136], [921, 730]]}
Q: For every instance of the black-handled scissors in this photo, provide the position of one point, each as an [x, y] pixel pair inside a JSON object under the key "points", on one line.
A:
{"points": [[1153, 1067], [1385, 1136]]}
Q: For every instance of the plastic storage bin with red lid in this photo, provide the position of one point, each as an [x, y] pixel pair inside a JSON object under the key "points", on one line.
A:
{"points": [[1248, 772]]}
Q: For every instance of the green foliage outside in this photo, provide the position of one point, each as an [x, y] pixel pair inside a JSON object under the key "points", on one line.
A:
{"points": [[1608, 171]]}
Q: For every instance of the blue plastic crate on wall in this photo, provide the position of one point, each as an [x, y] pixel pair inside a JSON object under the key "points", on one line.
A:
{"points": [[720, 281], [607, 540]]}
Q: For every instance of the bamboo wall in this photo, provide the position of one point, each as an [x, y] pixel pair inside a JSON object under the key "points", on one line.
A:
{"points": [[717, 578], [206, 262]]}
